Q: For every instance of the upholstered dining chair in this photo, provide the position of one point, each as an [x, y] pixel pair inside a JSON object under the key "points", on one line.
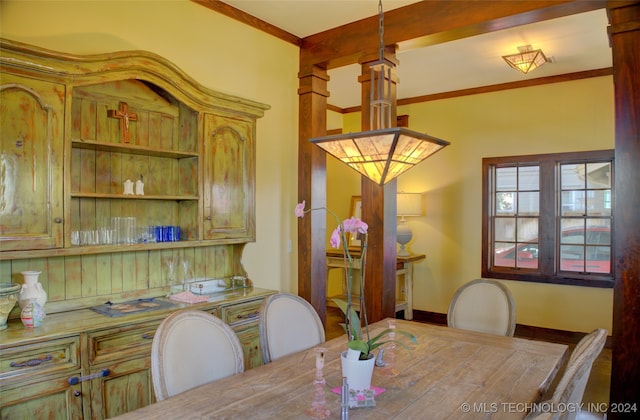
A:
{"points": [[288, 324], [191, 348], [483, 305], [570, 389]]}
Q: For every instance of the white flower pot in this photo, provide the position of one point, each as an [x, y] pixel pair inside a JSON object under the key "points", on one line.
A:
{"points": [[358, 372]]}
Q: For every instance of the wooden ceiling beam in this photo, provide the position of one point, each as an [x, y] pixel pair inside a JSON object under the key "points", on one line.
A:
{"points": [[240, 16], [431, 22]]}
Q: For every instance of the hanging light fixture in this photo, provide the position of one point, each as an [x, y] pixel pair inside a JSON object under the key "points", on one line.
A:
{"points": [[526, 60], [383, 152]]}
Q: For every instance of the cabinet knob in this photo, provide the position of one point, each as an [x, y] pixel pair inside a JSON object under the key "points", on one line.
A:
{"points": [[208, 217], [77, 393], [58, 220]]}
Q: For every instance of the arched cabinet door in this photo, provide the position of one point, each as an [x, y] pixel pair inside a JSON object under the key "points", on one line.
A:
{"points": [[31, 153], [229, 178]]}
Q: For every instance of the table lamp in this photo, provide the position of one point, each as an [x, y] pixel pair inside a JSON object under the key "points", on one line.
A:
{"points": [[408, 204]]}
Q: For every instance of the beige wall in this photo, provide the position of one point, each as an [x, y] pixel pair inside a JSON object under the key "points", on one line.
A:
{"points": [[558, 117], [219, 53]]}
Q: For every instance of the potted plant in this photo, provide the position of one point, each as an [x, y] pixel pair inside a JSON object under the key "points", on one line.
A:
{"points": [[360, 344]]}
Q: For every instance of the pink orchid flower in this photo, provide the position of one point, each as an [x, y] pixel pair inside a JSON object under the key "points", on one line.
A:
{"points": [[352, 225]]}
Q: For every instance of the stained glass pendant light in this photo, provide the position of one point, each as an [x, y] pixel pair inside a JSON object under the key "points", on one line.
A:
{"points": [[383, 152]]}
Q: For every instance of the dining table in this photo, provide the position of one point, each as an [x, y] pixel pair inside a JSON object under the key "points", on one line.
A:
{"points": [[449, 374]]}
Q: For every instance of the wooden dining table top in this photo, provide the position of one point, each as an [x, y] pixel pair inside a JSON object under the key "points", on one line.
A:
{"points": [[449, 374]]}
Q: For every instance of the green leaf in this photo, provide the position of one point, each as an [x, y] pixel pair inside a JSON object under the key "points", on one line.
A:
{"points": [[373, 343], [354, 319], [359, 345]]}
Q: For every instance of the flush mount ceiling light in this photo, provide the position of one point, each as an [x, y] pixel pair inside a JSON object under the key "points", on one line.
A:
{"points": [[383, 152], [526, 60]]}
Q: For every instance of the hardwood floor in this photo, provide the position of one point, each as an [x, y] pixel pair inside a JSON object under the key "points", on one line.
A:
{"points": [[596, 394]]}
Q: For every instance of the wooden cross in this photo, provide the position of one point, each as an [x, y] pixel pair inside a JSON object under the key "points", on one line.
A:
{"points": [[124, 116]]}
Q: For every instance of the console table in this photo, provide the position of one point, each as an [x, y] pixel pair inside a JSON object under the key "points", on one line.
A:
{"points": [[404, 273]]}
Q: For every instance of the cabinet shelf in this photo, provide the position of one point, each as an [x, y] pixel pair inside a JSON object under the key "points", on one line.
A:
{"points": [[135, 197], [130, 148], [72, 250]]}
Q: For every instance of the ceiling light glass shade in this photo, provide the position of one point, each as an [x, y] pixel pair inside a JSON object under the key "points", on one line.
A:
{"points": [[526, 60], [381, 155]]}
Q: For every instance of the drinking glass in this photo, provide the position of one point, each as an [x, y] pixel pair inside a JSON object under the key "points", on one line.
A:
{"points": [[130, 230], [171, 275], [186, 267], [75, 237]]}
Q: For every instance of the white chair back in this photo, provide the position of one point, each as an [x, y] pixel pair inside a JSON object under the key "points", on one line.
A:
{"points": [[483, 305], [191, 348], [288, 324], [570, 389]]}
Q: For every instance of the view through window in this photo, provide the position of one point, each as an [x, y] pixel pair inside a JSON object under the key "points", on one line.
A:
{"points": [[548, 218]]}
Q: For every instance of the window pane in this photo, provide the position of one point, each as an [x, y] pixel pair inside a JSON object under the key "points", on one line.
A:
{"points": [[572, 231], [572, 203], [598, 232], [505, 229], [529, 178], [572, 176], [505, 203], [527, 256], [599, 203], [598, 259], [506, 179], [572, 258], [599, 175], [527, 229], [504, 255], [528, 203]]}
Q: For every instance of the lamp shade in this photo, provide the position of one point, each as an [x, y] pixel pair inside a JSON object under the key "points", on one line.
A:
{"points": [[381, 155], [409, 204]]}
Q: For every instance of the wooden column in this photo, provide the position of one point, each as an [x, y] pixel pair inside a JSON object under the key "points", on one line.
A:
{"points": [[312, 187], [379, 211], [624, 30]]}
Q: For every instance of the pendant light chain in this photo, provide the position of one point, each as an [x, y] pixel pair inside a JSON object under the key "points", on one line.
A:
{"points": [[381, 29], [380, 92]]}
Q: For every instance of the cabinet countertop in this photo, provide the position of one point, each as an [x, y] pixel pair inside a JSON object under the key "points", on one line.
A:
{"points": [[70, 323]]}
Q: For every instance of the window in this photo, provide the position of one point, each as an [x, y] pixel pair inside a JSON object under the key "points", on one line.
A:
{"points": [[548, 218]]}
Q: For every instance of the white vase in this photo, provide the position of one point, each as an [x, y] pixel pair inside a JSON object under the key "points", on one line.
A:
{"points": [[358, 372], [32, 289]]}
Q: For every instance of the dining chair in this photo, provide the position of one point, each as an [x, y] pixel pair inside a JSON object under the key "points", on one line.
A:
{"points": [[191, 348], [483, 305], [570, 389], [288, 324]]}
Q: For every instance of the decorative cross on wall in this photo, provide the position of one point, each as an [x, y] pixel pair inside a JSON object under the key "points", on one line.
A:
{"points": [[124, 116]]}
